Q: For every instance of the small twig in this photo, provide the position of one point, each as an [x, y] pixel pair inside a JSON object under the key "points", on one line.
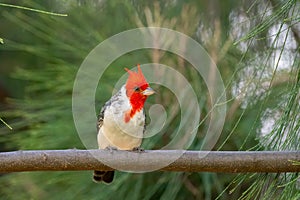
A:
{"points": [[6, 124], [33, 10]]}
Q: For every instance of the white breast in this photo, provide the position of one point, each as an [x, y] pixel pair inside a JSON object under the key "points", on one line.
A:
{"points": [[115, 132]]}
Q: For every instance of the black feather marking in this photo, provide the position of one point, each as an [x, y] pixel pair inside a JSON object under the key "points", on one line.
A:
{"points": [[101, 114], [100, 118]]}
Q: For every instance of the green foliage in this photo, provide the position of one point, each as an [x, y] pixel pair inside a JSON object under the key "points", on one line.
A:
{"points": [[280, 12], [46, 51]]}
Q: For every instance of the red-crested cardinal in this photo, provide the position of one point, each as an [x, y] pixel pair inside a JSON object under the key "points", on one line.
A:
{"points": [[121, 121]]}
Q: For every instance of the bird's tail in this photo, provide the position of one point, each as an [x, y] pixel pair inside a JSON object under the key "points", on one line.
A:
{"points": [[105, 176]]}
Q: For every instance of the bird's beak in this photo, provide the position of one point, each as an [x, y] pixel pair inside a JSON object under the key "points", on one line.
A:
{"points": [[148, 91]]}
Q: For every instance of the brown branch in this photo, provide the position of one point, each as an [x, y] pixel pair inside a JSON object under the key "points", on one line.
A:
{"points": [[191, 161]]}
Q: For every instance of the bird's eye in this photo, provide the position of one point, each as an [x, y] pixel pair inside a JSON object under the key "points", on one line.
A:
{"points": [[137, 89]]}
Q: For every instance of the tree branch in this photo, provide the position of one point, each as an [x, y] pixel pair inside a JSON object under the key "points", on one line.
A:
{"points": [[191, 161]]}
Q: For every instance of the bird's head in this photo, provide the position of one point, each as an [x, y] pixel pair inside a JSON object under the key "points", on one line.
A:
{"points": [[137, 90]]}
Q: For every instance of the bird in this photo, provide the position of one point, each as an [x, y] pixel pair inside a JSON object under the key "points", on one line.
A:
{"points": [[121, 122]]}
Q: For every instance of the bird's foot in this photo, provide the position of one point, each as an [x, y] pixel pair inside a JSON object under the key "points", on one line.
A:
{"points": [[111, 149], [138, 149]]}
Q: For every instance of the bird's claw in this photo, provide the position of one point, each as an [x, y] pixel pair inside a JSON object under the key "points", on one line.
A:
{"points": [[138, 149], [111, 149]]}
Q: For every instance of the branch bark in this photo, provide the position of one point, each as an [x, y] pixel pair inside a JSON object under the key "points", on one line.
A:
{"points": [[189, 161]]}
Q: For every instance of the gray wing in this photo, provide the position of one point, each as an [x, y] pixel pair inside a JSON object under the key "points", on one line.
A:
{"points": [[114, 99], [101, 115], [145, 124], [100, 119]]}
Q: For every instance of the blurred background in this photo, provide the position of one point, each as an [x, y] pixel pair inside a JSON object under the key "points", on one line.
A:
{"points": [[255, 45]]}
